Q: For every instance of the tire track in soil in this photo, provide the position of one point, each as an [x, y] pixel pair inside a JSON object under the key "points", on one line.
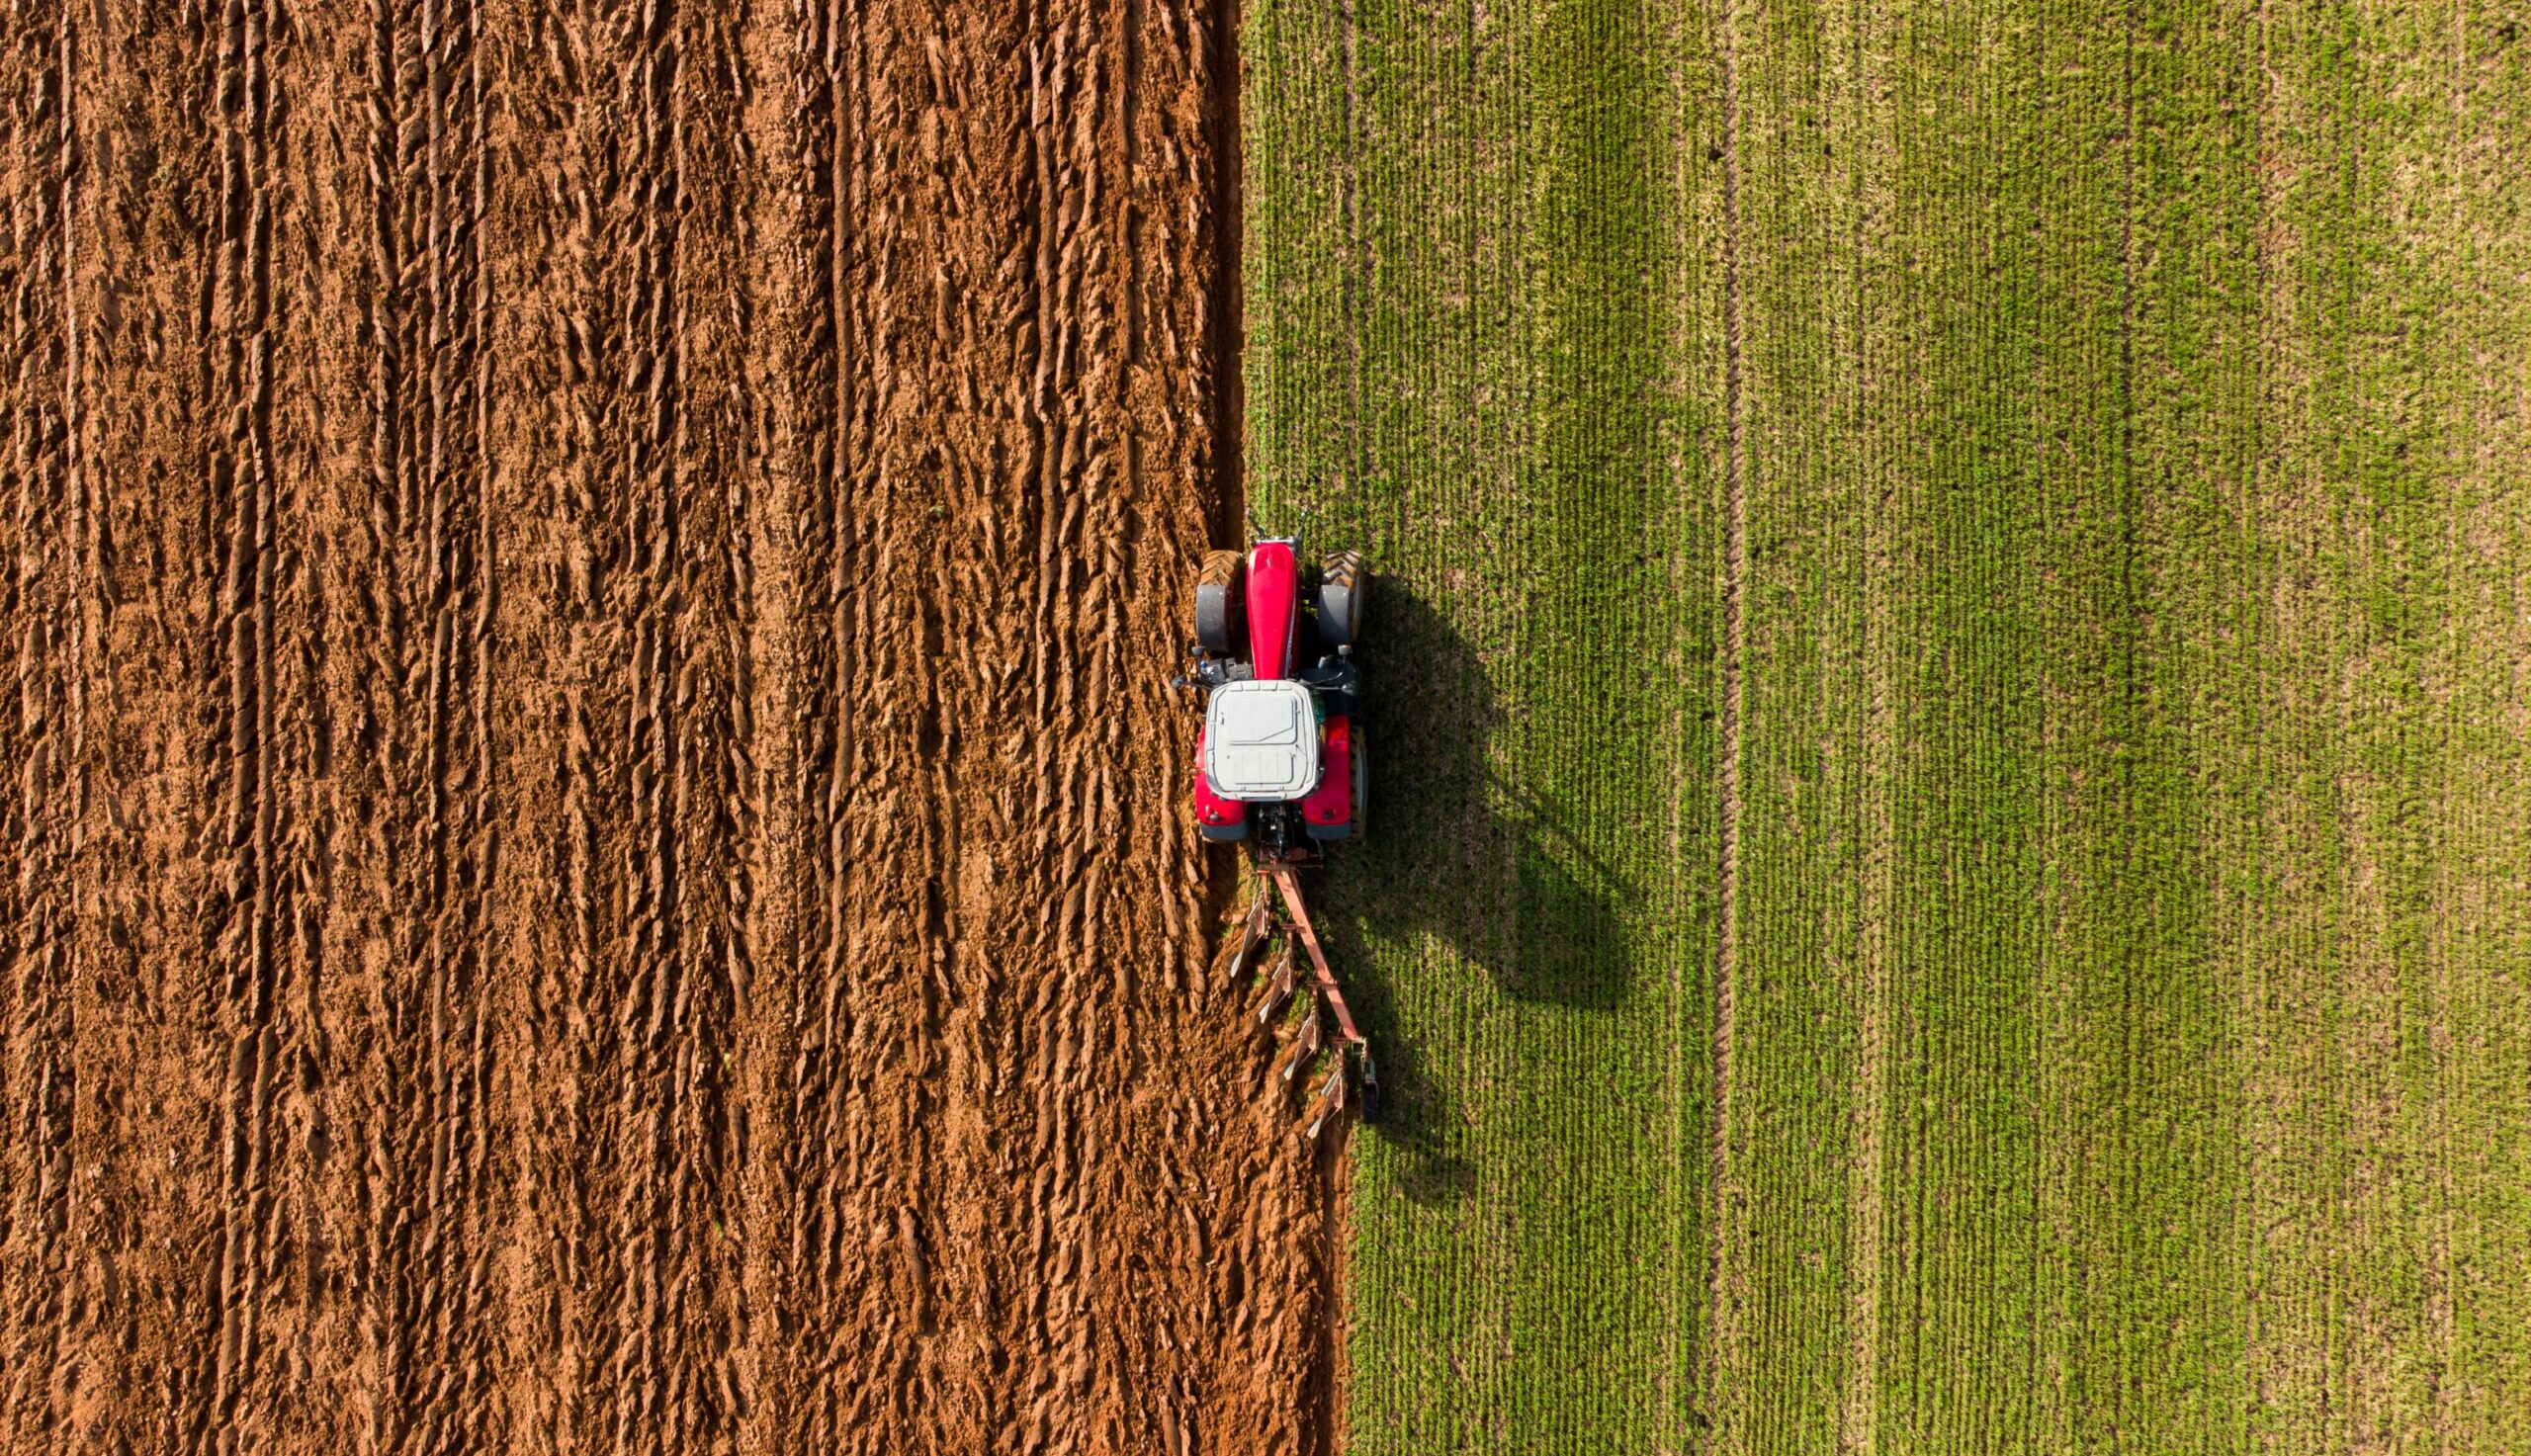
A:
{"points": [[244, 912]]}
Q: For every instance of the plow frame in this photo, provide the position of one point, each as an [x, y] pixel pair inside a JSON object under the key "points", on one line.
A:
{"points": [[1282, 981]]}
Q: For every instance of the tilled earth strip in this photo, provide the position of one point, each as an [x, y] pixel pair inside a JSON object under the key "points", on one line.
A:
{"points": [[599, 862]]}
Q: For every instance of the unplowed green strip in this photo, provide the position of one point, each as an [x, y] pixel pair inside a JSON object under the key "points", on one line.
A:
{"points": [[1469, 266], [2105, 427]]}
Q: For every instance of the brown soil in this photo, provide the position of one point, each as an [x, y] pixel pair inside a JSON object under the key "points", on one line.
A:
{"points": [[596, 844]]}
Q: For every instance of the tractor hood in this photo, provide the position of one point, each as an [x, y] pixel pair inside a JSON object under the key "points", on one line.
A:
{"points": [[1260, 742]]}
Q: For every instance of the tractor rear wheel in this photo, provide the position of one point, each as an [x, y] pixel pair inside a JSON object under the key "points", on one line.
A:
{"points": [[1217, 604], [1341, 584]]}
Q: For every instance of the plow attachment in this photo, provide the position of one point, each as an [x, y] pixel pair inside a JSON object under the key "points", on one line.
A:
{"points": [[1353, 1071]]}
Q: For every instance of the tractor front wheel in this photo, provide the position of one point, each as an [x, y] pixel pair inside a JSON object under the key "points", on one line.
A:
{"points": [[1217, 604], [1341, 584]]}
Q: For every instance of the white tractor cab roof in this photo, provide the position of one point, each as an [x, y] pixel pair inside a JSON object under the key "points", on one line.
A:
{"points": [[1260, 742]]}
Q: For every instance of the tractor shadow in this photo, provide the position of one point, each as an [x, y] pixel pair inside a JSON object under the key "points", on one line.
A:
{"points": [[1457, 852]]}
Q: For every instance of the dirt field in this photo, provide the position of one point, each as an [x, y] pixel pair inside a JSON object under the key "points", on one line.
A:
{"points": [[595, 849]]}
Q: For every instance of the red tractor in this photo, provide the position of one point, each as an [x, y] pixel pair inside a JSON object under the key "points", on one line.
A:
{"points": [[1279, 762]]}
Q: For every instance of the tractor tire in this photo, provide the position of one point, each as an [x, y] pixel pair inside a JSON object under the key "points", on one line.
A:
{"points": [[1343, 582], [1217, 602]]}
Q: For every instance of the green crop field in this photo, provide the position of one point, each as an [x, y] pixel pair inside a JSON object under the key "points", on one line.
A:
{"points": [[1950, 861]]}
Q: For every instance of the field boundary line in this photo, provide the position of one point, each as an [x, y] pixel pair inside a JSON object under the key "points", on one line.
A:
{"points": [[1735, 528]]}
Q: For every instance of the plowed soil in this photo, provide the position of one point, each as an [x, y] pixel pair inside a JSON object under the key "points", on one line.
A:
{"points": [[595, 857]]}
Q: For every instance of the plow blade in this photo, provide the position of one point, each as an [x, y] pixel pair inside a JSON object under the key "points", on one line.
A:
{"points": [[1353, 1075], [1296, 1056], [1279, 990], [1252, 934], [1330, 1101]]}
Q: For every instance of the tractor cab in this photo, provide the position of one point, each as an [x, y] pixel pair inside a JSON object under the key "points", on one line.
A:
{"points": [[1260, 742], [1279, 765]]}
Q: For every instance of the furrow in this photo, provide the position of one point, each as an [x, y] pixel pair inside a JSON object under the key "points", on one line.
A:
{"points": [[405, 788], [241, 361], [42, 618]]}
